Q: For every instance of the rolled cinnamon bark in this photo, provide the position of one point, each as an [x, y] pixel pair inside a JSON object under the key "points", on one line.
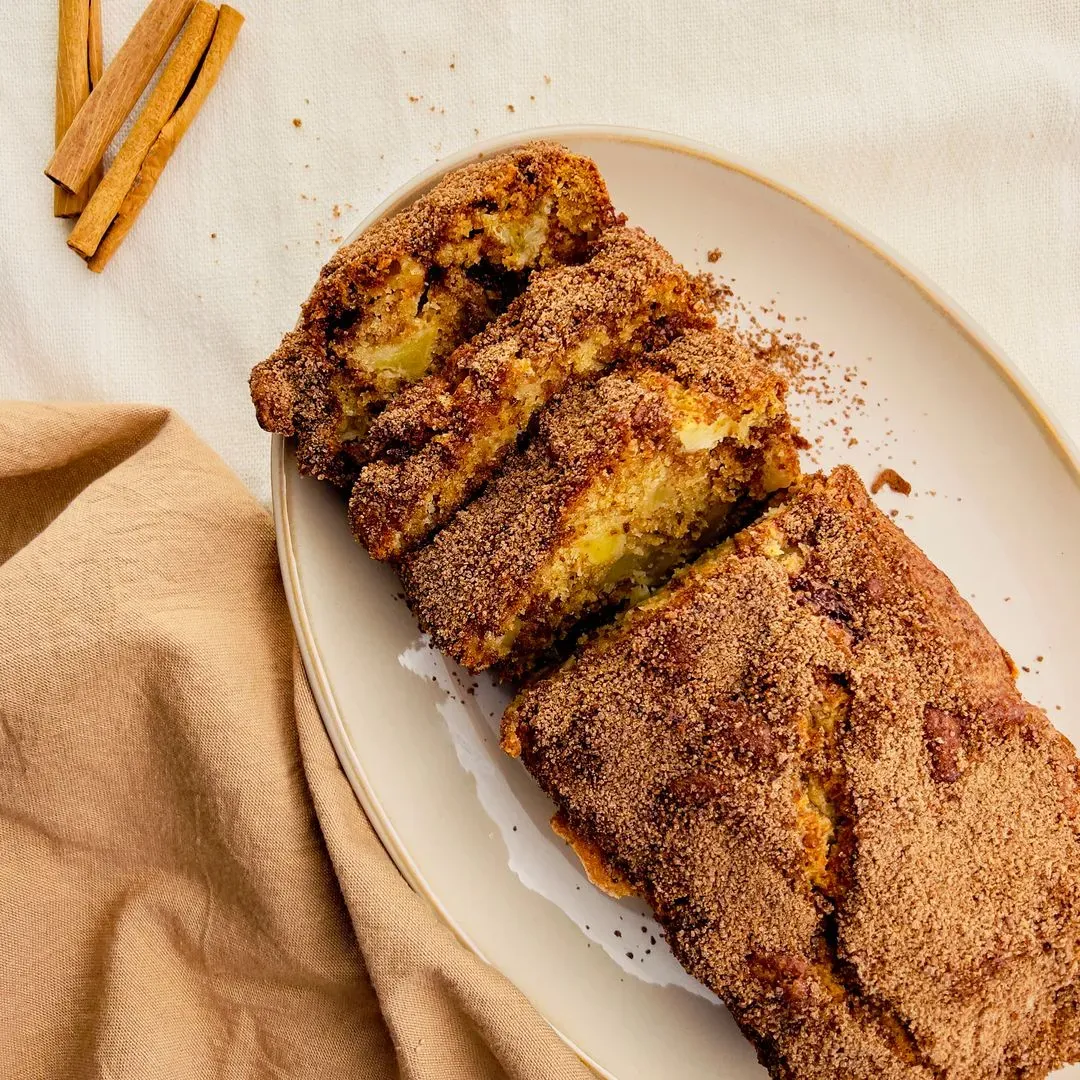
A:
{"points": [[108, 106], [160, 106], [72, 88], [228, 26]]}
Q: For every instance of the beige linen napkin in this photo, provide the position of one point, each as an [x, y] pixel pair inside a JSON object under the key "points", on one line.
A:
{"points": [[188, 887]]}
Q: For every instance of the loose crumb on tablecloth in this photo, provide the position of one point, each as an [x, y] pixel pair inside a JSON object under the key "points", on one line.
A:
{"points": [[891, 479], [297, 122]]}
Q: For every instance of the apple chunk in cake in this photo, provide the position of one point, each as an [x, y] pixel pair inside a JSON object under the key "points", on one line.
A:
{"points": [[392, 305], [624, 479], [440, 440]]}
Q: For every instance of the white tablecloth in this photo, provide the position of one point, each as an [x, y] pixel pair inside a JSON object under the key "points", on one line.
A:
{"points": [[950, 131]]}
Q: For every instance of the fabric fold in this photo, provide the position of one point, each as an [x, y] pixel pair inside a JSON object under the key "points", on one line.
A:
{"points": [[188, 886]]}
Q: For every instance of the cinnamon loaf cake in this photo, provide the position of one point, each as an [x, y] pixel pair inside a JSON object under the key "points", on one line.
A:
{"points": [[624, 479], [809, 756], [392, 305]]}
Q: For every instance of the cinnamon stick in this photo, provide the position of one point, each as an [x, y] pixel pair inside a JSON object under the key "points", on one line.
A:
{"points": [[86, 140], [228, 26], [96, 65], [106, 200], [72, 87]]}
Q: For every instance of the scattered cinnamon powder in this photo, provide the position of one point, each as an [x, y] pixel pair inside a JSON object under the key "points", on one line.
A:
{"points": [[798, 359], [891, 479], [819, 382]]}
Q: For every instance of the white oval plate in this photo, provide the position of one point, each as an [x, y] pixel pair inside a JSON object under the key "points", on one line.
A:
{"points": [[465, 824]]}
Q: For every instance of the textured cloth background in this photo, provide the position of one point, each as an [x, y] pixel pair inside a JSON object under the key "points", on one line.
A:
{"points": [[188, 887], [179, 852], [949, 130]]}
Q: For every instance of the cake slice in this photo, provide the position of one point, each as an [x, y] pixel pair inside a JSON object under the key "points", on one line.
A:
{"points": [[625, 478], [392, 305], [809, 756], [438, 442]]}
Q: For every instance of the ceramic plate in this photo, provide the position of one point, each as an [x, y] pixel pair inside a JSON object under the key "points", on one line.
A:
{"points": [[995, 503]]}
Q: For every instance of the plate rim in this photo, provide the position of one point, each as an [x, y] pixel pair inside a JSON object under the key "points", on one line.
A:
{"points": [[1018, 383]]}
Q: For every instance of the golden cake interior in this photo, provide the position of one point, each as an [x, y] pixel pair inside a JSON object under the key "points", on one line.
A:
{"points": [[424, 310], [436, 444], [525, 386], [654, 508]]}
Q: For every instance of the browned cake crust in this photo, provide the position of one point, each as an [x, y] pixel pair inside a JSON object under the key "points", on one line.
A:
{"points": [[809, 755], [609, 456], [463, 250], [439, 440]]}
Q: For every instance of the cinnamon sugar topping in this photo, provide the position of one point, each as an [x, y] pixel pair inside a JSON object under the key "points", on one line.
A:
{"points": [[809, 755]]}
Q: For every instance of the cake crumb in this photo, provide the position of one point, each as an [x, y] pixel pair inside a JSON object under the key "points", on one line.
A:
{"points": [[715, 255], [891, 479], [336, 210], [510, 108], [297, 122]]}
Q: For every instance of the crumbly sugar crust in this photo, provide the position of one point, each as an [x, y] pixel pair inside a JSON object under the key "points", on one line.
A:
{"points": [[809, 755], [482, 571], [295, 390], [439, 440]]}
